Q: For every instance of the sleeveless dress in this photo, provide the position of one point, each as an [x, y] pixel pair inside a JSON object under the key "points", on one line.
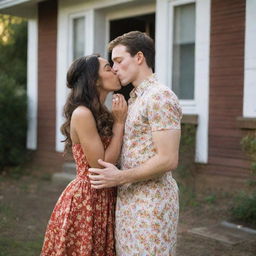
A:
{"points": [[82, 222]]}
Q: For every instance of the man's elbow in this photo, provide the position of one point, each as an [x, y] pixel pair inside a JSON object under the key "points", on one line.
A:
{"points": [[171, 163]]}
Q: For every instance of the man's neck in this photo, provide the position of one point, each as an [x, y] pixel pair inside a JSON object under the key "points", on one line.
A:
{"points": [[143, 75]]}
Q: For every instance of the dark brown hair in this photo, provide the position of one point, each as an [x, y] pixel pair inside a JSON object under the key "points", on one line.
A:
{"points": [[82, 77], [136, 41]]}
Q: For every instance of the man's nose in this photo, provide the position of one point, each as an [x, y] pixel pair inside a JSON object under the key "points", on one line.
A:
{"points": [[114, 68]]}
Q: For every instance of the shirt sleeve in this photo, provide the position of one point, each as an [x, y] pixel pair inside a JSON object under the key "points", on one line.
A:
{"points": [[164, 111]]}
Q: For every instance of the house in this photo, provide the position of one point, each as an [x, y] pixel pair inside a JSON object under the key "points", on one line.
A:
{"points": [[205, 52]]}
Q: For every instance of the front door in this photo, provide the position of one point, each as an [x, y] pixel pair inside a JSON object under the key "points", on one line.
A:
{"points": [[143, 23]]}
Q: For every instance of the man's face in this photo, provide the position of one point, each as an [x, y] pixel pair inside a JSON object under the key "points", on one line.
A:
{"points": [[125, 66]]}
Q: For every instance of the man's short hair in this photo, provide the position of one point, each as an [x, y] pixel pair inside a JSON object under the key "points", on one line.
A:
{"points": [[136, 41]]}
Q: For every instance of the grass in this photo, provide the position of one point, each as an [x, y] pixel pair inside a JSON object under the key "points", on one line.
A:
{"points": [[187, 197], [11, 247], [210, 199], [7, 216], [15, 237], [9, 244]]}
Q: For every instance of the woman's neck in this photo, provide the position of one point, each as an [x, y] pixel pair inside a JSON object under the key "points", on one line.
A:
{"points": [[103, 96]]}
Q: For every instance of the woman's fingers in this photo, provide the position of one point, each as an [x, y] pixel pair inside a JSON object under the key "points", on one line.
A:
{"points": [[116, 99], [119, 104], [121, 100]]}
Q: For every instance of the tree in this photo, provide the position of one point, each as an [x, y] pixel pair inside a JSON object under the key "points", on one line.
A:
{"points": [[13, 101], [13, 48]]}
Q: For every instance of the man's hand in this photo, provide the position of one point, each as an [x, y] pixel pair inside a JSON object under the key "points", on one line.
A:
{"points": [[108, 177]]}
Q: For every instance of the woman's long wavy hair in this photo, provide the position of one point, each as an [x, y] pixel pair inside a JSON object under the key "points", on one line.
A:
{"points": [[82, 78]]}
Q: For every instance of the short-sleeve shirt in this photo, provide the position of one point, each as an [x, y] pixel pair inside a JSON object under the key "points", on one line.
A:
{"points": [[152, 107], [147, 211]]}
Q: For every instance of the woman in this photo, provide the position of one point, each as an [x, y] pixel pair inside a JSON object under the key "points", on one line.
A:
{"points": [[82, 222]]}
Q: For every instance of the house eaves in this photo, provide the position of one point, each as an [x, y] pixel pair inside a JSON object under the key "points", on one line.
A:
{"points": [[22, 8]]}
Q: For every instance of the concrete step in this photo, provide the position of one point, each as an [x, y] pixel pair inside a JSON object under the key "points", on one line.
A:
{"points": [[69, 167], [68, 173], [61, 177], [226, 232]]}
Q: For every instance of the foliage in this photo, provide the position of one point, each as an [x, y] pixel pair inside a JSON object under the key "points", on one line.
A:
{"points": [[13, 101], [13, 48], [245, 208], [13, 123], [185, 173], [188, 135], [249, 146], [187, 151]]}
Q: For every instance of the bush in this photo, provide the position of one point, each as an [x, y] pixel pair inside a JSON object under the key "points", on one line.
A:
{"points": [[185, 172], [13, 122], [13, 48], [249, 147], [244, 208]]}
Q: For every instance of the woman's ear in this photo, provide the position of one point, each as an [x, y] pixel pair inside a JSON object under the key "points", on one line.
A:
{"points": [[98, 83]]}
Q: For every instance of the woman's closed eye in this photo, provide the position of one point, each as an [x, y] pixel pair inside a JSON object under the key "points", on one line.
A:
{"points": [[108, 67]]}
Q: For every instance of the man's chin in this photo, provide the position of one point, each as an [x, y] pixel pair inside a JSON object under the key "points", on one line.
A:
{"points": [[123, 84]]}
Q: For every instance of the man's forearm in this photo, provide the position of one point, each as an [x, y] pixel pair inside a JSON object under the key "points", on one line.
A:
{"points": [[153, 167]]}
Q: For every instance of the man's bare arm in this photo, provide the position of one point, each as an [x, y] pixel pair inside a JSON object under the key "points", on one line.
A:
{"points": [[166, 158]]}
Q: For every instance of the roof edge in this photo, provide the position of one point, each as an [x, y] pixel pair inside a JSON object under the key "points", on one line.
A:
{"points": [[9, 3]]}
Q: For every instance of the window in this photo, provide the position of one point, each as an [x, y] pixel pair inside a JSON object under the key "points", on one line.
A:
{"points": [[78, 27], [182, 59], [75, 39], [249, 108], [183, 78]]}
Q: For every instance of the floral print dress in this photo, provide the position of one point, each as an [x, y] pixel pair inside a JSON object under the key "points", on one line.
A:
{"points": [[147, 212], [82, 222]]}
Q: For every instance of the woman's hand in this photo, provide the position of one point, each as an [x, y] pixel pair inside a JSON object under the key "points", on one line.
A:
{"points": [[119, 108]]}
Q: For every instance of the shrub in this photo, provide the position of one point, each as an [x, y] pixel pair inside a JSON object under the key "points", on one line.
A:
{"points": [[185, 172], [13, 48], [13, 122], [244, 208], [249, 147]]}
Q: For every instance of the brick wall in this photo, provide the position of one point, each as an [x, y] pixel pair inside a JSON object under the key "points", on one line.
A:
{"points": [[226, 88], [47, 43]]}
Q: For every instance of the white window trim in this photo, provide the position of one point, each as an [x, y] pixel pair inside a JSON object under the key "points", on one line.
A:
{"points": [[249, 100], [70, 29], [32, 83], [164, 39], [126, 13], [64, 57]]}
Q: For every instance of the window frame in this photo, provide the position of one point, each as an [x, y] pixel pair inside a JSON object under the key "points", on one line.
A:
{"points": [[249, 106], [188, 104], [164, 57], [72, 17], [65, 56]]}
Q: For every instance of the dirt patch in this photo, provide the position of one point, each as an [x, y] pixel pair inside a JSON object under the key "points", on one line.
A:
{"points": [[26, 204]]}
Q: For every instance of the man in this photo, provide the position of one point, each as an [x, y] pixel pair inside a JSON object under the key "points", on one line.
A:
{"points": [[147, 202]]}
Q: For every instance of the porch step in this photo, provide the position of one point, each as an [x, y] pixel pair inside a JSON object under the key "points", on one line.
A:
{"points": [[68, 173], [69, 167]]}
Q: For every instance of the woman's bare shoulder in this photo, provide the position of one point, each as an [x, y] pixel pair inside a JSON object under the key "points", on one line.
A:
{"points": [[82, 112]]}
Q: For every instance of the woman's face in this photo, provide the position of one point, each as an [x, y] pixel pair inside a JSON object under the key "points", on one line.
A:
{"points": [[108, 80]]}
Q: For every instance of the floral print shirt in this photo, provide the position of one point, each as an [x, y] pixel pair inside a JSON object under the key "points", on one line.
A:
{"points": [[147, 211]]}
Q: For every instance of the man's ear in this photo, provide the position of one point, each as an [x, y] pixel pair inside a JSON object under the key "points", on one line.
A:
{"points": [[140, 57]]}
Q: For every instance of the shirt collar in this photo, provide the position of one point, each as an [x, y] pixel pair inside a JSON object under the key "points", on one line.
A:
{"points": [[139, 90]]}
